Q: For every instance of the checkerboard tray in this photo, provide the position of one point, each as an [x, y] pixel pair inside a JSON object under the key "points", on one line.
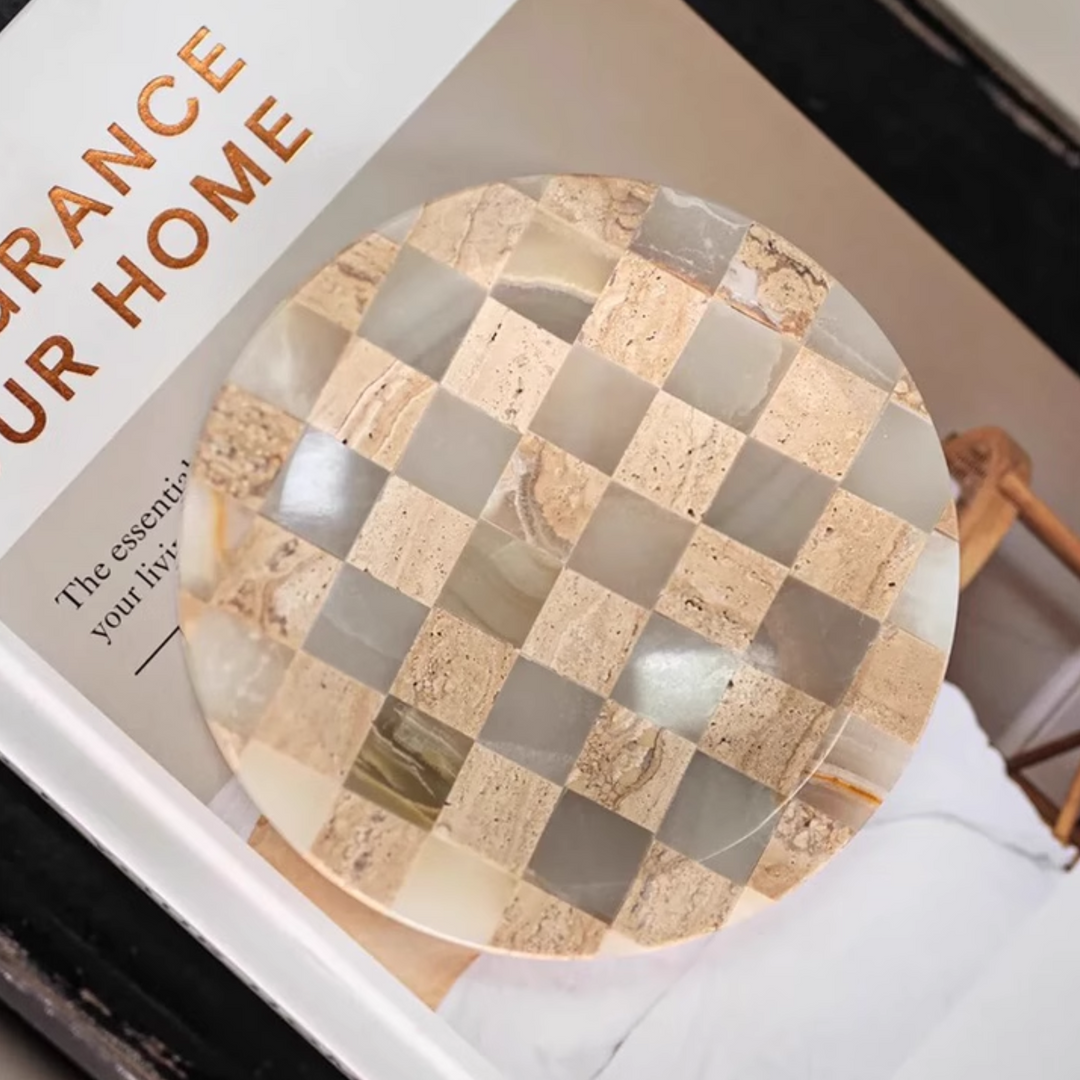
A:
{"points": [[568, 566]]}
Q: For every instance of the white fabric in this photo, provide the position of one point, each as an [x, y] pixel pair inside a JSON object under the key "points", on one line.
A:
{"points": [[843, 979]]}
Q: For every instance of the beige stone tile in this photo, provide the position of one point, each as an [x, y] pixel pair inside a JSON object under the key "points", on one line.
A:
{"points": [[366, 849], [767, 730], [585, 632], [344, 289], [243, 446], [898, 682], [749, 904], [805, 839], [319, 716], [213, 528], [678, 456], [454, 671], [473, 231], [906, 393], [545, 496], [278, 582], [497, 808], [774, 282], [948, 523], [721, 589], [643, 318], [820, 414], [605, 207], [373, 402], [411, 540], [674, 898], [631, 766], [859, 553], [540, 924], [505, 364]]}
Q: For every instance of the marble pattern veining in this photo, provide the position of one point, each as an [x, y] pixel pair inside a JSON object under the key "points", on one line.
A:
{"points": [[569, 568]]}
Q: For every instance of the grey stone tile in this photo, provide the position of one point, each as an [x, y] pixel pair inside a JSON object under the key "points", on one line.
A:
{"points": [[588, 856], [675, 678], [715, 817], [731, 366], [499, 583], [692, 237], [421, 312], [593, 408], [457, 453], [324, 492], [843, 331], [365, 628], [540, 720], [769, 502], [927, 606], [812, 642], [631, 545], [901, 468]]}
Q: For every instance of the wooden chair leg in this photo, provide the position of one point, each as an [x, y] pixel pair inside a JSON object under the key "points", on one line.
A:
{"points": [[1070, 811], [1026, 758]]}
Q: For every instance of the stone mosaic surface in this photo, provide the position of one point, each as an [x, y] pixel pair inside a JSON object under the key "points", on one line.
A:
{"points": [[569, 567]]}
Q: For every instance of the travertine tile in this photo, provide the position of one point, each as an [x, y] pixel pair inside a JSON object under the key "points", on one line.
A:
{"points": [[716, 809], [235, 669], [554, 275], [769, 501], [289, 360], [408, 763], [674, 898], [820, 414], [365, 628], [212, 531], [295, 797], [805, 839], [457, 453], [679, 456], [767, 730], [498, 809], [721, 589], [411, 540], [319, 716], [631, 545], [906, 393], [540, 924], [454, 671], [812, 641], [588, 856], [607, 208], [473, 231], [278, 582], [569, 418], [775, 282], [421, 312], [366, 848], [243, 446], [897, 683], [859, 554], [373, 402], [674, 677], [540, 720], [499, 584], [693, 238], [631, 766], [901, 468], [731, 365], [844, 332], [505, 365], [749, 904], [643, 318], [324, 492], [585, 632], [545, 496], [343, 291], [452, 892]]}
